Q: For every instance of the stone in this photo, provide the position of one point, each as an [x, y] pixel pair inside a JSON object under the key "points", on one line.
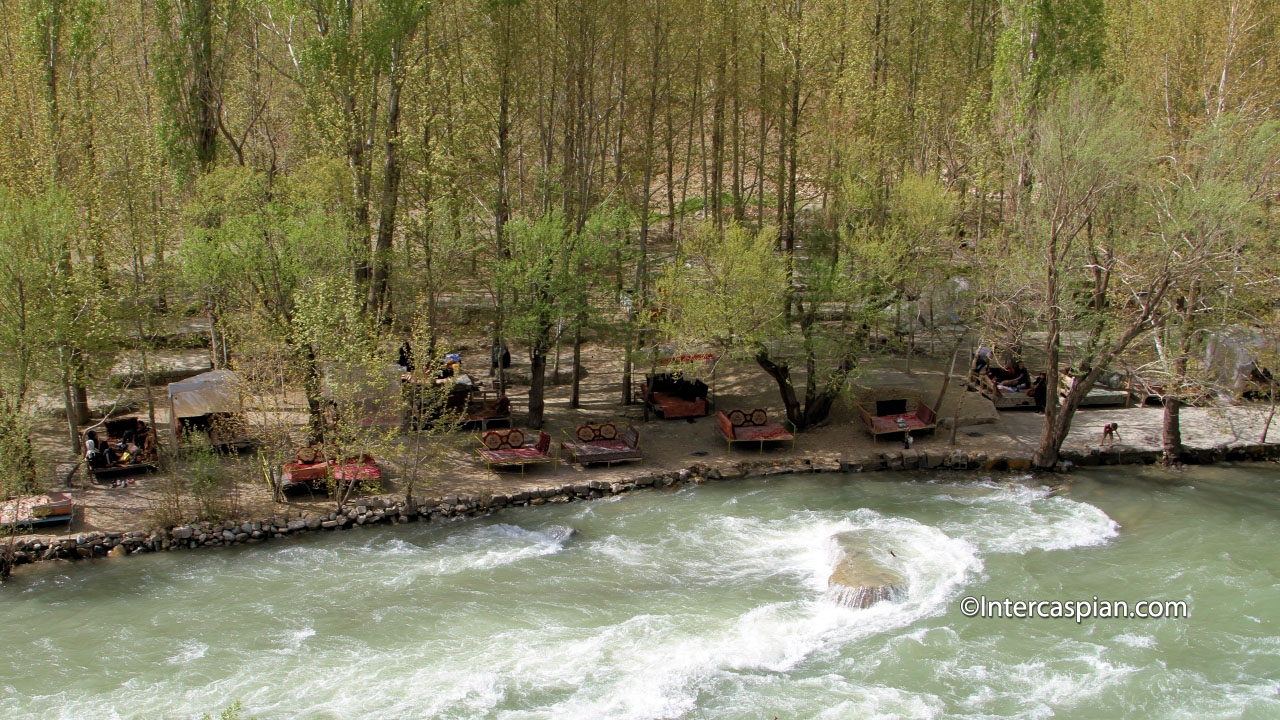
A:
{"points": [[228, 535], [862, 577], [826, 465], [316, 523], [240, 537], [182, 532], [910, 459], [328, 524]]}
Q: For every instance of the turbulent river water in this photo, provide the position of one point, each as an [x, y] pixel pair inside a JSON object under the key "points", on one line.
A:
{"points": [[706, 602]]}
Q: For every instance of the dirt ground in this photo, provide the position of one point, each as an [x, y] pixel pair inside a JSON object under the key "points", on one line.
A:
{"points": [[667, 444]]}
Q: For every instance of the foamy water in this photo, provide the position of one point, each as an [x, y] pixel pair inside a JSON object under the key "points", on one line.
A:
{"points": [[705, 602]]}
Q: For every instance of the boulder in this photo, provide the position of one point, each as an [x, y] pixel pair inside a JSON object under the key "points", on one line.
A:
{"points": [[862, 577], [182, 532], [561, 533]]}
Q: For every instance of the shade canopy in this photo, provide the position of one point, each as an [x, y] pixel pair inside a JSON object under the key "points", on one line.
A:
{"points": [[217, 391]]}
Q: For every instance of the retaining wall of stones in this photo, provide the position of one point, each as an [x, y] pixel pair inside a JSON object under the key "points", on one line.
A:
{"points": [[393, 510]]}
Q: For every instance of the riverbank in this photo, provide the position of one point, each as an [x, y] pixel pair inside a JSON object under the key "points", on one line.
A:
{"points": [[1210, 436]]}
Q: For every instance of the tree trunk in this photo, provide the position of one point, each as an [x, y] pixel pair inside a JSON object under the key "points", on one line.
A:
{"points": [[204, 97], [315, 402], [574, 394], [500, 202], [781, 374], [73, 431], [537, 384], [378, 288], [81, 394], [1171, 430], [1171, 422], [1046, 455], [627, 397], [817, 407], [1271, 414]]}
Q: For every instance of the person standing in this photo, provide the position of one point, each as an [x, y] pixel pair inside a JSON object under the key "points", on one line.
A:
{"points": [[1110, 431]]}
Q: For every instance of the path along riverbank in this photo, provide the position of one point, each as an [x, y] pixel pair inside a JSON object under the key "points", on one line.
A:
{"points": [[1210, 436]]}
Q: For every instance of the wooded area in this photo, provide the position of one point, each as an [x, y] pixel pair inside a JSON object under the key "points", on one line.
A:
{"points": [[780, 180]]}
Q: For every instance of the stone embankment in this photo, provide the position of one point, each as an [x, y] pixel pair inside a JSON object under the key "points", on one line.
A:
{"points": [[393, 510]]}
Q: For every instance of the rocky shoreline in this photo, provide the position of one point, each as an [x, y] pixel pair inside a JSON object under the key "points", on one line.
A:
{"points": [[375, 510]]}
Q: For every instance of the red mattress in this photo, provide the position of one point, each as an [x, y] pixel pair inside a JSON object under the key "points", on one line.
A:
{"points": [[889, 423], [673, 407], [762, 432], [514, 457]]}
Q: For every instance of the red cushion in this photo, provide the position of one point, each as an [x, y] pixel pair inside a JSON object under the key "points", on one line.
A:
{"points": [[763, 432]]}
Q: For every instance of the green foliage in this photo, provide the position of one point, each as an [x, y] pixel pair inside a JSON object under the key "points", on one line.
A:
{"points": [[726, 291], [55, 317], [1044, 44], [209, 482], [252, 244], [17, 455], [550, 270]]}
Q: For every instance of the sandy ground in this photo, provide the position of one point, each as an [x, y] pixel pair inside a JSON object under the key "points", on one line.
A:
{"points": [[678, 444]]}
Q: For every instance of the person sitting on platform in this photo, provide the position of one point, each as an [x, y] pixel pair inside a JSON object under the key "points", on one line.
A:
{"points": [[1020, 381]]}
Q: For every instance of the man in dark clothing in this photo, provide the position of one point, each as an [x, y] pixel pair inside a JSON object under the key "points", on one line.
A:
{"points": [[1040, 391]]}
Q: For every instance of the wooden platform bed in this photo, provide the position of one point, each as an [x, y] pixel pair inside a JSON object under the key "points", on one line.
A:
{"points": [[752, 426], [25, 513], [1003, 399], [593, 444], [672, 398], [898, 417], [507, 448]]}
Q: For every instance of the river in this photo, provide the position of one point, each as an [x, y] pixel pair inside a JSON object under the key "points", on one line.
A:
{"points": [[705, 602]]}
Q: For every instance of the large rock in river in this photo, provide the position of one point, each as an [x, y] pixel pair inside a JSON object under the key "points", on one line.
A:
{"points": [[861, 578]]}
